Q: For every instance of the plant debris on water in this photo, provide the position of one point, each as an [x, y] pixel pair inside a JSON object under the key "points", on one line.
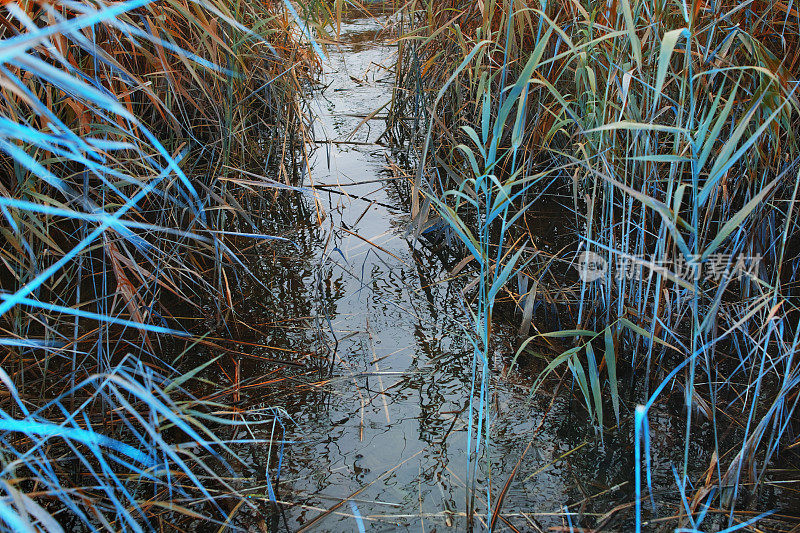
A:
{"points": [[339, 265]]}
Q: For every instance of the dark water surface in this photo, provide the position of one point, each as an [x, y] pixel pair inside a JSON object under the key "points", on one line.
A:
{"points": [[390, 421], [377, 414]]}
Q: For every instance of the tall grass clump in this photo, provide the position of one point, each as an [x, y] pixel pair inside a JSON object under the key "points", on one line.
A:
{"points": [[123, 126], [670, 128]]}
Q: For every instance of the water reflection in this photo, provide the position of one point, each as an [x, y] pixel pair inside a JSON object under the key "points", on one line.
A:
{"points": [[377, 395]]}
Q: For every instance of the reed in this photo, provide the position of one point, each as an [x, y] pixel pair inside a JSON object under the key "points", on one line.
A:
{"points": [[122, 129], [669, 128]]}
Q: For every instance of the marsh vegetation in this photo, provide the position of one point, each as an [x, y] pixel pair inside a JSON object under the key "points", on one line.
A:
{"points": [[335, 265]]}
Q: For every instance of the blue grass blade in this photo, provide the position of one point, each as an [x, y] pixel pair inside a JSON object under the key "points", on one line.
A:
{"points": [[261, 236], [731, 529], [504, 274], [89, 438], [20, 44], [594, 381], [639, 434], [32, 343], [36, 304], [684, 499], [47, 522], [13, 519], [34, 166], [304, 27], [123, 226], [357, 515], [77, 249]]}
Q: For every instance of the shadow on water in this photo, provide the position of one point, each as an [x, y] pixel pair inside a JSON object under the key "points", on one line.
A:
{"points": [[358, 333]]}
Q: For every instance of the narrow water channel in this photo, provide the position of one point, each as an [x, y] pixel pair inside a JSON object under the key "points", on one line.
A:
{"points": [[376, 426], [387, 432]]}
